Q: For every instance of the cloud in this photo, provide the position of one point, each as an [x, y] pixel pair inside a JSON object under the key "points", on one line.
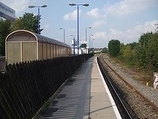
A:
{"points": [[115, 33], [100, 35], [97, 16], [146, 27], [94, 13], [71, 15], [127, 7], [132, 35], [98, 23], [127, 36], [18, 5]]}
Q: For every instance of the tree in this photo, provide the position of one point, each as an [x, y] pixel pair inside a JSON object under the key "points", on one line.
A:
{"points": [[5, 29], [152, 53], [142, 50], [27, 22], [145, 53], [104, 50], [114, 48], [128, 55], [142, 55], [84, 45]]}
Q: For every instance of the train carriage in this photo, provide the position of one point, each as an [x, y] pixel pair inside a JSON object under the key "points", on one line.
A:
{"points": [[24, 45]]}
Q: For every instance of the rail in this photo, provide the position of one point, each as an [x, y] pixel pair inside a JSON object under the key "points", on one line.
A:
{"points": [[139, 93]]}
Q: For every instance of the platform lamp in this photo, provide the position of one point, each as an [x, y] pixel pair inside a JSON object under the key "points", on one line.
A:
{"points": [[86, 36], [77, 5], [63, 33], [41, 6], [73, 44]]}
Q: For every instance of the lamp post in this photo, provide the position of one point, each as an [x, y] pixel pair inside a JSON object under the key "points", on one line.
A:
{"points": [[72, 4], [86, 32], [32, 6], [73, 44], [90, 40], [63, 33], [92, 43], [86, 36]]}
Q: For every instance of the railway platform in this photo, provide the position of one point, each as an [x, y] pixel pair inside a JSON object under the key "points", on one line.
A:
{"points": [[84, 96]]}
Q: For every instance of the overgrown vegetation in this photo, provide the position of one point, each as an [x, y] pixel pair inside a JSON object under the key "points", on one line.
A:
{"points": [[27, 22], [114, 48], [142, 55], [5, 29], [104, 50]]}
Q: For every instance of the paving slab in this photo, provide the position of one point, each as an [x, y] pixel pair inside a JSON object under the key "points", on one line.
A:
{"points": [[101, 105]]}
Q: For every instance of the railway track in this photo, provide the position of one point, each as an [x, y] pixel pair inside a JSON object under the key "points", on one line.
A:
{"points": [[131, 103]]}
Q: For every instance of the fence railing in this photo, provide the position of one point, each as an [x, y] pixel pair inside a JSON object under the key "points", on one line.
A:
{"points": [[2, 63], [25, 87]]}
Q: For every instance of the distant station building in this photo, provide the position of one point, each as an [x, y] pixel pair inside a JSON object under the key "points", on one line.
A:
{"points": [[7, 12], [84, 50], [74, 46]]}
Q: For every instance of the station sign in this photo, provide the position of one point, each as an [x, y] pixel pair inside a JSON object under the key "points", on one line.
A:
{"points": [[7, 12]]}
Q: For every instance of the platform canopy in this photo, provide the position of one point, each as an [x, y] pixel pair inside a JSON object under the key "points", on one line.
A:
{"points": [[7, 12]]}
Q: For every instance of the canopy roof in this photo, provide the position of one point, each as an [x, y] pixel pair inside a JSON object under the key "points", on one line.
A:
{"points": [[25, 35]]}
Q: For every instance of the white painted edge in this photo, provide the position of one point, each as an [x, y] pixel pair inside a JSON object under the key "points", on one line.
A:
{"points": [[109, 95]]}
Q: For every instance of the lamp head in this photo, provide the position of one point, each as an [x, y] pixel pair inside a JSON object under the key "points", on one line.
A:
{"points": [[72, 4], [44, 6], [31, 6], [86, 5]]}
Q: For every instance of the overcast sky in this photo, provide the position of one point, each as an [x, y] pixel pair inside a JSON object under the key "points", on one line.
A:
{"points": [[124, 20]]}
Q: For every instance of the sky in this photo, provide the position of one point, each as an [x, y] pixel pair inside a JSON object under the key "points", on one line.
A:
{"points": [[123, 20]]}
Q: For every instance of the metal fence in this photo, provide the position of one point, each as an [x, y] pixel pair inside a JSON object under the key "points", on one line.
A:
{"points": [[2, 63], [25, 87]]}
